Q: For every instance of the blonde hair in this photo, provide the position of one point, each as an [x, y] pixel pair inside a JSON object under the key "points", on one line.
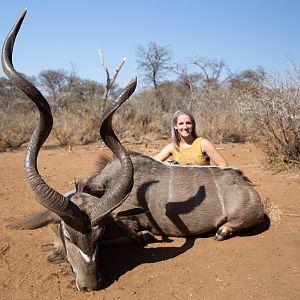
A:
{"points": [[174, 133]]}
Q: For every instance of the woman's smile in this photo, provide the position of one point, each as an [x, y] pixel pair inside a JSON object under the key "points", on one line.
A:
{"points": [[184, 125]]}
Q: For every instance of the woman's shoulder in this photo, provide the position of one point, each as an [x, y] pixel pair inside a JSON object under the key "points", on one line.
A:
{"points": [[170, 147], [206, 144], [199, 141], [204, 140], [165, 152]]}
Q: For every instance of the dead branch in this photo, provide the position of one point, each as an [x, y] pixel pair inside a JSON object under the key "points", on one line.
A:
{"points": [[109, 82]]}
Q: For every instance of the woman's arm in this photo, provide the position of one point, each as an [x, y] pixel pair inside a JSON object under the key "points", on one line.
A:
{"points": [[216, 158], [165, 152]]}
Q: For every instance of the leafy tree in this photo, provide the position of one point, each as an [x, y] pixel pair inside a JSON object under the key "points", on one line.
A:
{"points": [[11, 98], [54, 82], [189, 80], [248, 79], [84, 89]]}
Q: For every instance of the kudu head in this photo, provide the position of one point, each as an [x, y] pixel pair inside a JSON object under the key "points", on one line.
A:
{"points": [[81, 213]]}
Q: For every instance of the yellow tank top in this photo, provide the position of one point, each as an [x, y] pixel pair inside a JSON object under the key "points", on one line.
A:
{"points": [[190, 156]]}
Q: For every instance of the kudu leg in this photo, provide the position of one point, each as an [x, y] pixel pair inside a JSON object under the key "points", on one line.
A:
{"points": [[144, 237], [132, 228], [223, 232]]}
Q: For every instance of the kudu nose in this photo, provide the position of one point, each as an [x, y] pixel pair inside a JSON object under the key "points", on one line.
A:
{"points": [[89, 286]]}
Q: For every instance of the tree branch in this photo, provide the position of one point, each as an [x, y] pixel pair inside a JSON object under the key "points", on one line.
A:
{"points": [[109, 82]]}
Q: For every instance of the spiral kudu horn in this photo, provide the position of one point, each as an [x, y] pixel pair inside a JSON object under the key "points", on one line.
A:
{"points": [[117, 194], [48, 197]]}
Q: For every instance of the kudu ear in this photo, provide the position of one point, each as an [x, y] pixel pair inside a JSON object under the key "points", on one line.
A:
{"points": [[35, 220]]}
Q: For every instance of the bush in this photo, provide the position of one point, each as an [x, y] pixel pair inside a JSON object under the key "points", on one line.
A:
{"points": [[16, 130], [276, 115], [77, 123]]}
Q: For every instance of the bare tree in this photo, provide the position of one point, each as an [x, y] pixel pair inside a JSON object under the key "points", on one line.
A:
{"points": [[212, 71], [153, 61], [189, 80]]}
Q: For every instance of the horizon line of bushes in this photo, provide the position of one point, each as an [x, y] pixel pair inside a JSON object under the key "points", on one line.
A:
{"points": [[251, 106]]}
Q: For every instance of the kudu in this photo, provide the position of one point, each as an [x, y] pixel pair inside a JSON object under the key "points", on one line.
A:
{"points": [[134, 192]]}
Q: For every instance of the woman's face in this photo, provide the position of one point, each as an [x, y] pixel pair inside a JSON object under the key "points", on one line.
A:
{"points": [[184, 126]]}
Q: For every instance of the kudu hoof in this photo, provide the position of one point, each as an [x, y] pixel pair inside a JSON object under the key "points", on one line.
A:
{"points": [[145, 237], [220, 235]]}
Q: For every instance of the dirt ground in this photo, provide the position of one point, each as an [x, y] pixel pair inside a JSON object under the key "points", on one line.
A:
{"points": [[262, 263]]}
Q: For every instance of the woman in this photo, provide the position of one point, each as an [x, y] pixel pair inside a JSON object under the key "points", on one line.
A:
{"points": [[187, 147]]}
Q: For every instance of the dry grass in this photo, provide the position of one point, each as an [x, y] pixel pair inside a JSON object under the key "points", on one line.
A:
{"points": [[273, 211], [15, 130]]}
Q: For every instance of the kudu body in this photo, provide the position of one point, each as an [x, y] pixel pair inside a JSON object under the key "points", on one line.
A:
{"points": [[134, 192]]}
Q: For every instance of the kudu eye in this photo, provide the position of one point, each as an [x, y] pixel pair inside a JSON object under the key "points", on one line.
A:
{"points": [[67, 238], [66, 235]]}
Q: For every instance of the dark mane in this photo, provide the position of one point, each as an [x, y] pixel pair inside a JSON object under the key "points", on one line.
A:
{"points": [[87, 184], [104, 159], [134, 154], [244, 177]]}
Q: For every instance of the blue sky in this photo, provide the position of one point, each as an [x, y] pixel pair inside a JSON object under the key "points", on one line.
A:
{"points": [[62, 34]]}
